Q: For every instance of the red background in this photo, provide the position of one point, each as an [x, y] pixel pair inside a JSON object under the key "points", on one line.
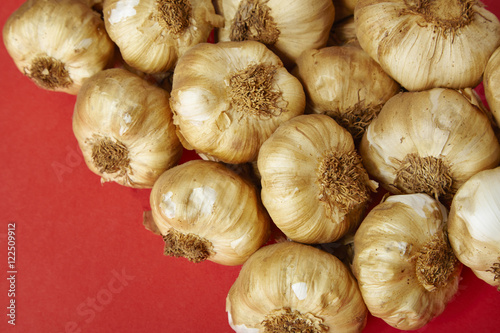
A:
{"points": [[75, 236]]}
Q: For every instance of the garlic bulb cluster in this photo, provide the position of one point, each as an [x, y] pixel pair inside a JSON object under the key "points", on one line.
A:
{"points": [[58, 44], [474, 225], [153, 34], [405, 267], [344, 83], [429, 142], [124, 127], [491, 83], [229, 97], [314, 184], [204, 211], [287, 27], [425, 44], [291, 287]]}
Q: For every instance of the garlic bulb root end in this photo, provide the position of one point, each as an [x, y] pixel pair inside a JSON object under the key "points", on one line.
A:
{"points": [[110, 156], [285, 320], [435, 263], [495, 269], [190, 246], [173, 15], [49, 73], [253, 21]]}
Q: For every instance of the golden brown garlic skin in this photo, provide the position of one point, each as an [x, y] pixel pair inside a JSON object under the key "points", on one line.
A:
{"points": [[205, 211], [405, 267], [474, 225], [314, 185], [229, 97], [291, 287], [125, 129], [428, 43], [58, 44], [429, 142]]}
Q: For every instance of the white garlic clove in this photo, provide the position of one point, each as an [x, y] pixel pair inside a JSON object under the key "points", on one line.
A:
{"points": [[195, 210], [153, 34], [427, 44], [474, 225], [314, 185], [287, 28], [57, 44], [344, 83], [429, 142], [229, 97], [405, 267], [125, 129], [291, 287]]}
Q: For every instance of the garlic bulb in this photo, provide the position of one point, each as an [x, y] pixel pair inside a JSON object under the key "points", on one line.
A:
{"points": [[429, 142], [153, 34], [474, 225], [404, 264], [124, 128], [291, 287], [229, 97], [343, 33], [314, 185], [425, 44], [204, 211], [491, 83], [344, 83], [287, 27], [58, 44]]}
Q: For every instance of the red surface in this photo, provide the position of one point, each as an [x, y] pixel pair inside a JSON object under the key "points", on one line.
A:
{"points": [[84, 261]]}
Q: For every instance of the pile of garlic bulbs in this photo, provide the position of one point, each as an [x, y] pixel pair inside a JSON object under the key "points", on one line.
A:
{"points": [[303, 114]]}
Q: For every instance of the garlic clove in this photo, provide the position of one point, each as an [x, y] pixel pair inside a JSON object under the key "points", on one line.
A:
{"points": [[153, 34], [287, 287], [405, 267], [229, 97], [429, 142], [474, 225], [314, 185], [191, 210], [288, 28], [125, 129], [428, 44], [57, 44]]}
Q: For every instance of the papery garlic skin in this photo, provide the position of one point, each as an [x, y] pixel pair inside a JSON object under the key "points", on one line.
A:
{"points": [[491, 83], [344, 83], [314, 185], [206, 201], [229, 97], [427, 44], [398, 281], [430, 142], [295, 279], [287, 27], [153, 34], [474, 225], [125, 129], [58, 44]]}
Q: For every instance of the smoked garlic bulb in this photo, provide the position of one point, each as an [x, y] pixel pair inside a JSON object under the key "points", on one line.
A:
{"points": [[229, 97], [291, 287], [429, 142], [205, 211], [58, 44], [124, 128], [287, 27], [425, 44], [314, 185], [491, 83], [344, 83], [153, 34], [405, 267], [474, 225]]}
